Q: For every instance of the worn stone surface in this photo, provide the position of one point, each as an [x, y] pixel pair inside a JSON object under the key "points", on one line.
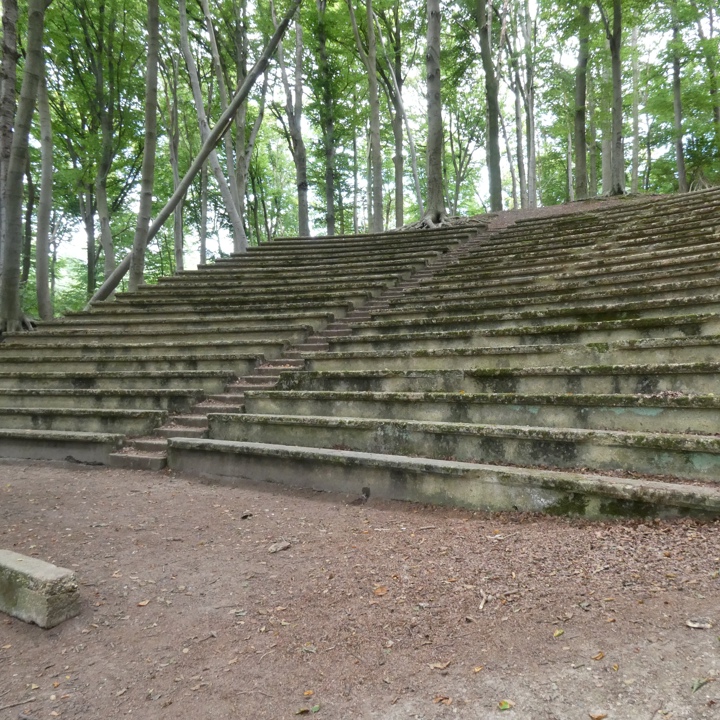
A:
{"points": [[36, 591]]}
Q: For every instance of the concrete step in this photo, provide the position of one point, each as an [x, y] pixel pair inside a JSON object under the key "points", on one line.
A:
{"points": [[131, 459], [177, 430], [91, 448], [470, 485], [100, 399], [121, 422], [688, 378], [691, 457], [632, 413]]}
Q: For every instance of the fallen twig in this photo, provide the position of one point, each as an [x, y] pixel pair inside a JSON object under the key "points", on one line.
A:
{"points": [[484, 599], [15, 704]]}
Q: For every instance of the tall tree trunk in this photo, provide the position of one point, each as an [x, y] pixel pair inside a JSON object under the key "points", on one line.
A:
{"points": [[511, 162], [529, 39], [28, 231], [86, 201], [677, 106], [522, 178], [11, 316], [483, 18], [396, 94], [635, 168], [137, 263], [569, 163], [606, 130], [327, 116], [203, 213], [614, 36], [369, 58], [42, 240], [710, 51], [231, 206], [8, 81], [356, 189], [581, 183], [293, 112], [435, 210], [592, 145]]}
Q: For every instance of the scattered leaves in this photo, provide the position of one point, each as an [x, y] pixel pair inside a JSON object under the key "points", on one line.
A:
{"points": [[598, 716], [478, 668], [506, 705], [558, 633], [599, 656], [442, 700], [143, 603], [309, 693], [380, 590], [440, 666]]}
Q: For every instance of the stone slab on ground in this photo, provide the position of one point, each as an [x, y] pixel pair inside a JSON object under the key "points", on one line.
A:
{"points": [[37, 591]]}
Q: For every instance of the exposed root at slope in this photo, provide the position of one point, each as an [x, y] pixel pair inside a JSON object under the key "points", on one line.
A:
{"points": [[445, 221], [22, 324]]}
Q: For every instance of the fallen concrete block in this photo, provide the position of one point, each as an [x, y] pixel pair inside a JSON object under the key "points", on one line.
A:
{"points": [[37, 591]]}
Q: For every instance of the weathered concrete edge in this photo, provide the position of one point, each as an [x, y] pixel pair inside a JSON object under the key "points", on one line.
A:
{"points": [[475, 486], [36, 591], [82, 447]]}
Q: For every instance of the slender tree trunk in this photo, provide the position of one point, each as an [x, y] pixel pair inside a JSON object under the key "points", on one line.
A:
{"points": [[396, 79], [606, 130], [327, 116], [203, 214], [11, 316], [519, 140], [529, 39], [592, 145], [513, 176], [87, 210], [8, 81], [435, 210], [710, 51], [231, 207], [569, 164], [137, 263], [369, 59], [293, 111], [581, 183], [483, 18], [356, 189], [28, 231], [614, 36], [635, 170], [677, 107], [42, 241]]}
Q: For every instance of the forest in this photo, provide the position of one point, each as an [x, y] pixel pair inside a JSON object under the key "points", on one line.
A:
{"points": [[264, 118]]}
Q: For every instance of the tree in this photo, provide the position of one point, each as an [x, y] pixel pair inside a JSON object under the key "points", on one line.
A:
{"points": [[11, 314], [435, 208], [581, 180]]}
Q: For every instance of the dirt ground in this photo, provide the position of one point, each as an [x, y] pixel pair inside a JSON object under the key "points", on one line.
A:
{"points": [[385, 610]]}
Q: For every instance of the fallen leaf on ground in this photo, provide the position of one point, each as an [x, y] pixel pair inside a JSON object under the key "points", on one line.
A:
{"points": [[598, 716], [143, 603], [478, 668], [315, 709], [701, 682], [442, 699], [381, 590], [599, 656], [278, 546], [558, 633], [440, 666], [506, 705], [303, 711], [699, 623], [309, 693]]}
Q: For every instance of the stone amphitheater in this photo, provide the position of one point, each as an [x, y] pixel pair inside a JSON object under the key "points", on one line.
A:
{"points": [[566, 363]]}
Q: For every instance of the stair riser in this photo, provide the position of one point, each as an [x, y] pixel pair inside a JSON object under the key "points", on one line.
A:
{"points": [[396, 439], [80, 423], [700, 383], [379, 344], [19, 352], [105, 402], [489, 489], [92, 453], [259, 310], [162, 335], [641, 419], [455, 321], [519, 357], [275, 302], [236, 366]]}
